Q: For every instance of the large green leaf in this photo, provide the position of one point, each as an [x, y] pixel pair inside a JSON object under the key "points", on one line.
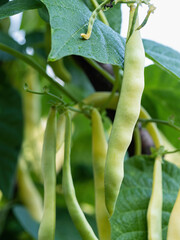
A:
{"points": [[164, 56], [161, 98], [16, 6], [81, 153], [68, 20], [7, 40], [129, 219], [26, 220], [11, 126], [36, 22], [65, 229], [80, 84], [3, 2]]}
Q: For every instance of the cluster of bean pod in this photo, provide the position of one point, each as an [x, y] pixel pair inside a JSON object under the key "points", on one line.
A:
{"points": [[108, 159]]}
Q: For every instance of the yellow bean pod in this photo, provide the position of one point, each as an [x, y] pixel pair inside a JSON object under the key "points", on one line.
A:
{"points": [[28, 192], [99, 149], [60, 131], [154, 212], [74, 209], [173, 232], [126, 116], [47, 225]]}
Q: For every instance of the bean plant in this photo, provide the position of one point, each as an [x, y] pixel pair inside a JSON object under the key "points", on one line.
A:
{"points": [[89, 135]]}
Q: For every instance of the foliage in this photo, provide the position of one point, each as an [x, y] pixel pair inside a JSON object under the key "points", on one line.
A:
{"points": [[82, 69]]}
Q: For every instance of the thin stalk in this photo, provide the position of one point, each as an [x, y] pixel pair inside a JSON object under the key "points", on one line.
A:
{"points": [[170, 152], [151, 127], [160, 122], [129, 1], [100, 70], [45, 93], [137, 141], [27, 59], [92, 19], [115, 87], [101, 13]]}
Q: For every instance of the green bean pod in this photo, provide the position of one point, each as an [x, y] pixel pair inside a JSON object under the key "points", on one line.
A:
{"points": [[60, 131], [99, 149], [154, 212], [60, 70], [47, 226], [126, 116], [173, 232], [28, 192], [74, 209]]}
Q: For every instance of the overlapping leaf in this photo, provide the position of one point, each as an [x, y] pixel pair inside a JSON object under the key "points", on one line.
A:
{"points": [[129, 219], [7, 40], [166, 57], [161, 98], [11, 127], [68, 20], [65, 229], [16, 6]]}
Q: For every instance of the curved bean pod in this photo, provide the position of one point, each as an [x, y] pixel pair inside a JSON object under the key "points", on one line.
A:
{"points": [[74, 209], [99, 147], [47, 226], [126, 116], [174, 221]]}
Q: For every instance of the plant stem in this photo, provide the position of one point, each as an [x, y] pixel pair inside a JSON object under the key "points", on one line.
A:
{"points": [[30, 61], [115, 87], [160, 122], [137, 141], [151, 127], [100, 70], [101, 13], [92, 19]]}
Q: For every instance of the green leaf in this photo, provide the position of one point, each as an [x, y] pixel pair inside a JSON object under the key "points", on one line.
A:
{"points": [[26, 220], [36, 40], [7, 40], [16, 6], [80, 83], [129, 219], [81, 152], [164, 56], [11, 129], [3, 2], [43, 13], [65, 229], [68, 20], [36, 22], [4, 211], [164, 89]]}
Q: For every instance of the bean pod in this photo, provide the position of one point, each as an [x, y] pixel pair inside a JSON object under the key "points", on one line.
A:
{"points": [[126, 116], [154, 212], [74, 209], [99, 147], [47, 226], [174, 221]]}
